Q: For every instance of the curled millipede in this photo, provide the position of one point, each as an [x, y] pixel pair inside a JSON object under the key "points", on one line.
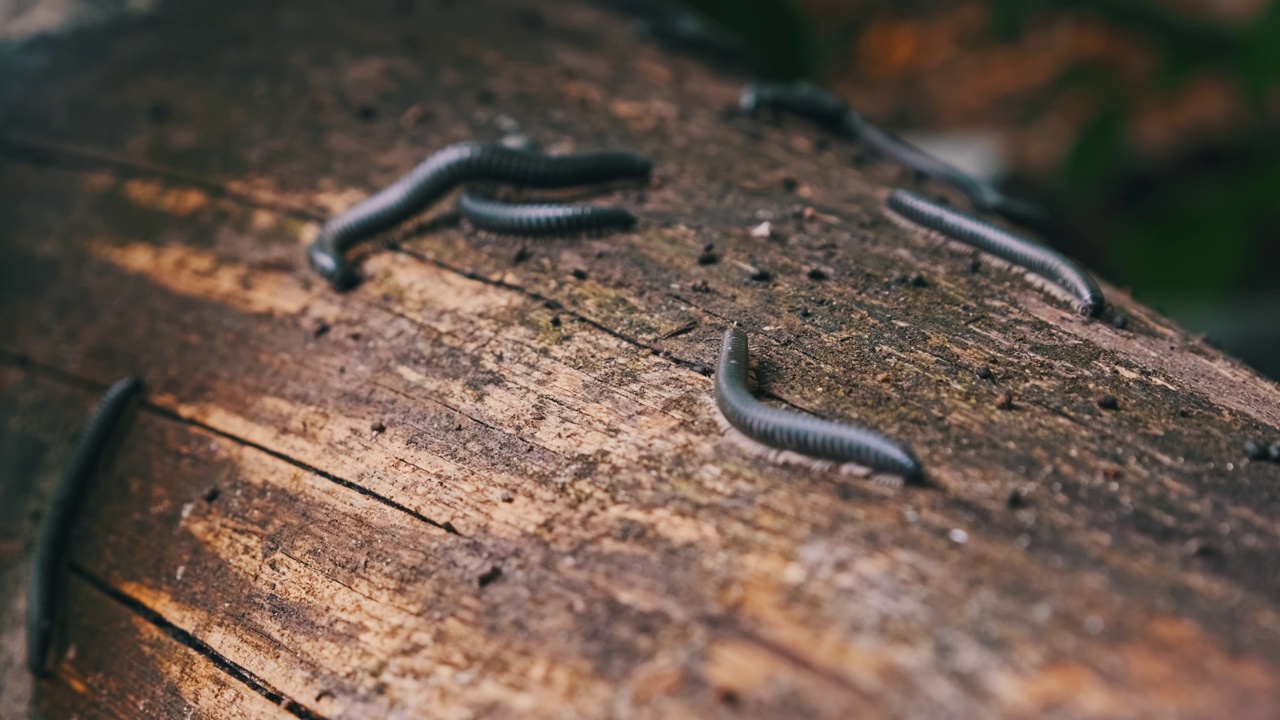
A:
{"points": [[446, 169], [818, 106], [789, 431], [539, 218], [1022, 252], [55, 528]]}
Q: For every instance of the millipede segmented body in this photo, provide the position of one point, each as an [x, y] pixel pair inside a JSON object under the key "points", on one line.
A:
{"points": [[818, 106], [539, 218], [803, 100], [55, 527], [982, 195], [456, 165], [1020, 251], [803, 434]]}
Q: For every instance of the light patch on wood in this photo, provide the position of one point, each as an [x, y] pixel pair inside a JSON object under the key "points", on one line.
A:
{"points": [[644, 115], [740, 666], [345, 444], [748, 671], [1149, 679], [99, 181], [307, 232], [164, 198], [428, 289], [764, 601], [460, 307], [410, 375], [647, 598], [583, 427], [1069, 687], [264, 190], [68, 674], [262, 220], [678, 529], [654, 681], [289, 427], [198, 274], [334, 200], [583, 92], [1125, 372]]}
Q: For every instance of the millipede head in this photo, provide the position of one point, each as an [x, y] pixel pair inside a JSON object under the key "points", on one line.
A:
{"points": [[345, 279], [340, 273], [1091, 308]]}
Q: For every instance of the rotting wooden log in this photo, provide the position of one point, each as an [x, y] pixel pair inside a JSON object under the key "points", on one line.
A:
{"points": [[484, 485]]}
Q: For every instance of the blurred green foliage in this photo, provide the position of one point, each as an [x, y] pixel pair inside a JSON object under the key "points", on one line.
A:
{"points": [[1196, 236], [1193, 230]]}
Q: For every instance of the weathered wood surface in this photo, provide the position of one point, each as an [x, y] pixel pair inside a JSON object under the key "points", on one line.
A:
{"points": [[479, 486]]}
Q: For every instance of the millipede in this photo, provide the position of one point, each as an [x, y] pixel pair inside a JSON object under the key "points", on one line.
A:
{"points": [[812, 103], [446, 169], [1042, 261], [803, 100], [54, 536], [806, 435], [539, 218]]}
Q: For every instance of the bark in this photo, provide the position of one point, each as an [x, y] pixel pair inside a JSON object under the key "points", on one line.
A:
{"points": [[489, 482]]}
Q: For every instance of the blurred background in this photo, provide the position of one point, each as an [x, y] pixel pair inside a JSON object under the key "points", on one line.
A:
{"points": [[1151, 128]]}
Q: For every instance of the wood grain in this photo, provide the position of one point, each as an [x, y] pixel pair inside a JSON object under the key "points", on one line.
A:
{"points": [[480, 485]]}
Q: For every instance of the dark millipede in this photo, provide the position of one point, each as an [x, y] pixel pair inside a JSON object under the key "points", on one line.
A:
{"points": [[982, 195], [1020, 251], [831, 113], [539, 218], [55, 527], [446, 169], [804, 100], [804, 434]]}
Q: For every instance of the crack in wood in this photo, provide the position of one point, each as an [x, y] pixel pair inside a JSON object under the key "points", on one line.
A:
{"points": [[171, 415], [538, 297], [40, 152], [48, 153], [72, 379], [196, 645], [682, 330]]}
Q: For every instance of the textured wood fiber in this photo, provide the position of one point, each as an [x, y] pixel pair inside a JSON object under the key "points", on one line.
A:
{"points": [[480, 485]]}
